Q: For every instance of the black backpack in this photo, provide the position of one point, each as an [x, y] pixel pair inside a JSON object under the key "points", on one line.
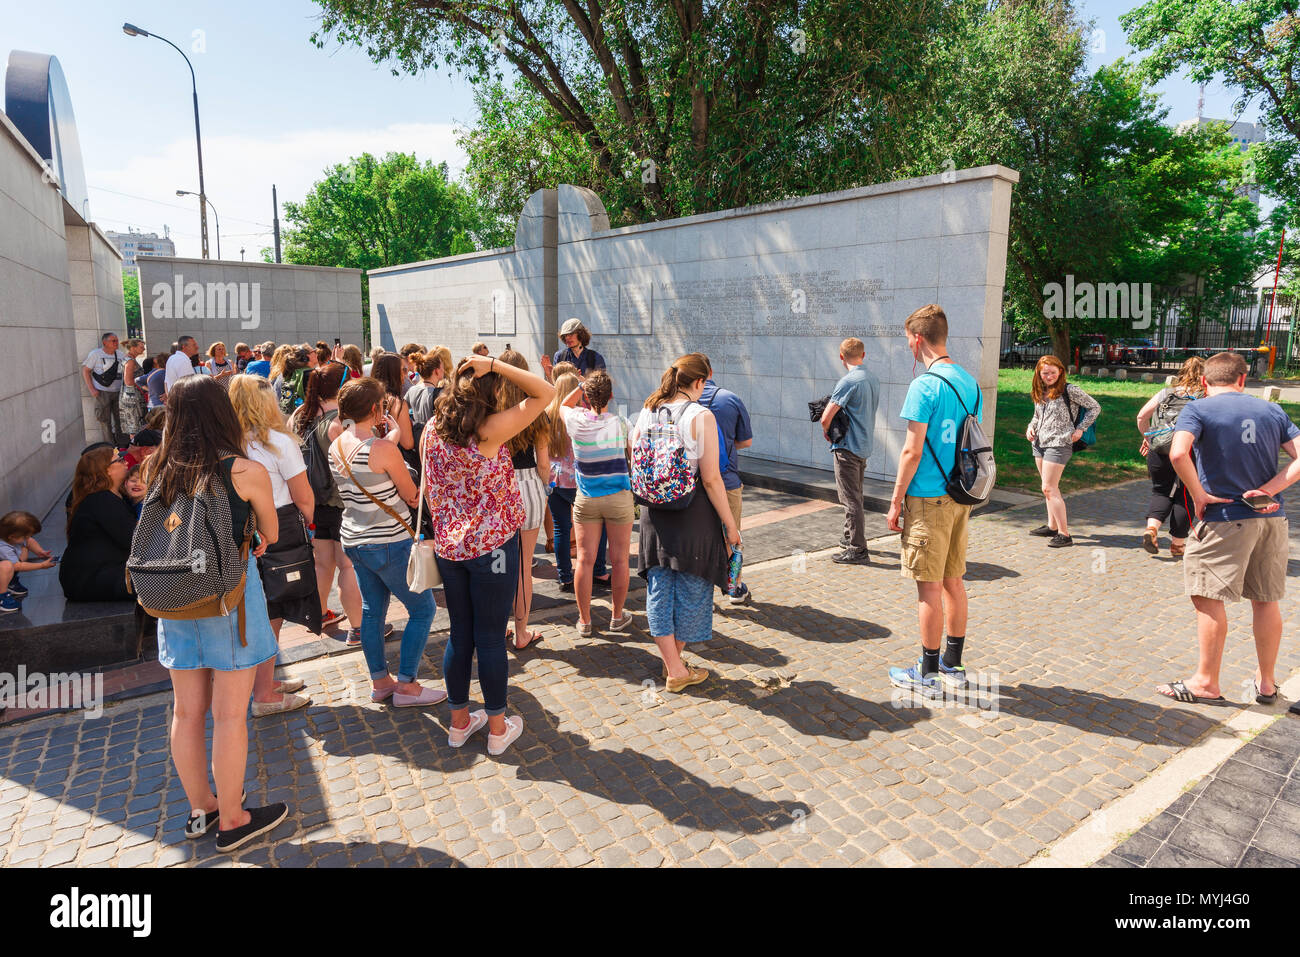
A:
{"points": [[970, 482], [316, 457]]}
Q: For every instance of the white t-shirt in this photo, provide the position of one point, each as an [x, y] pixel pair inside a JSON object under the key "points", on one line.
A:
{"points": [[99, 361], [178, 367], [283, 460], [684, 413]]}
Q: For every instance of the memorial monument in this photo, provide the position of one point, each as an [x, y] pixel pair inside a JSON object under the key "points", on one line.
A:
{"points": [[767, 292]]}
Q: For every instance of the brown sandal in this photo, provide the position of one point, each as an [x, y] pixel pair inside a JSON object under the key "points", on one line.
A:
{"points": [[1177, 550]]}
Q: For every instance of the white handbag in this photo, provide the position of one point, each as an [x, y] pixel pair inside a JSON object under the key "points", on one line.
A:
{"points": [[422, 567]]}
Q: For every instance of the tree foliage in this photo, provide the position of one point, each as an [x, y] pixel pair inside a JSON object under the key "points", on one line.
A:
{"points": [[369, 213], [1108, 191], [1254, 47], [131, 303], [669, 107]]}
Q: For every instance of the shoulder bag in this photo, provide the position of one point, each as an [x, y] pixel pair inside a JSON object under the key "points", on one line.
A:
{"points": [[422, 567]]}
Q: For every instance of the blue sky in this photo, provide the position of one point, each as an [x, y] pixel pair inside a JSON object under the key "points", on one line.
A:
{"points": [[274, 109]]}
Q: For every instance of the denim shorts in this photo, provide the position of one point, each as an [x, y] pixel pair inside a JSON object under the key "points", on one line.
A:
{"points": [[678, 604], [188, 645]]}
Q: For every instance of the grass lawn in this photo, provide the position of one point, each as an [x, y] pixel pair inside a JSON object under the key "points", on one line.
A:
{"points": [[1115, 456]]}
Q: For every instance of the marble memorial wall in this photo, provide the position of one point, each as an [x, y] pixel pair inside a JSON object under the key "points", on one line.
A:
{"points": [[767, 292]]}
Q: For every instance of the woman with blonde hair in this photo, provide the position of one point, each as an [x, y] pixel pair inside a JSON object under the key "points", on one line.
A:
{"points": [[529, 456], [270, 444], [1053, 430], [564, 485], [1156, 420], [135, 389], [684, 551]]}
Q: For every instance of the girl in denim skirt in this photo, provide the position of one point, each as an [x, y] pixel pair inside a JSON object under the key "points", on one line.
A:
{"points": [[211, 668]]}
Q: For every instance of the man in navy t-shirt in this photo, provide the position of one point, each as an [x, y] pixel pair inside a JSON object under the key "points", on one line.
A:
{"points": [[576, 350], [1239, 547], [734, 433]]}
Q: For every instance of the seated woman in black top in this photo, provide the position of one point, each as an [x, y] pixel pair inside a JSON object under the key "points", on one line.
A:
{"points": [[99, 530]]}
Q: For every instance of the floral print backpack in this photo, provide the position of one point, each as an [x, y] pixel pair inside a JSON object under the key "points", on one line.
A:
{"points": [[661, 475]]}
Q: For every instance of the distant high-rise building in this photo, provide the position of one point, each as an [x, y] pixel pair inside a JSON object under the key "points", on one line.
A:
{"points": [[132, 244]]}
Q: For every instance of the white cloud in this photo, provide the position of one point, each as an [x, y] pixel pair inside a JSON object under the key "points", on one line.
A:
{"points": [[239, 171]]}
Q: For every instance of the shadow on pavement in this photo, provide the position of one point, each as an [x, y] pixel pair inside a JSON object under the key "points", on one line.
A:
{"points": [[546, 753]]}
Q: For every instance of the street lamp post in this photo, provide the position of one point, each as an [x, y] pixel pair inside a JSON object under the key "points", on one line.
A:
{"points": [[215, 214], [132, 30]]}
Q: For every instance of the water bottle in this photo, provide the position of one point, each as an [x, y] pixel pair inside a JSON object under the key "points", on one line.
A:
{"points": [[733, 569]]}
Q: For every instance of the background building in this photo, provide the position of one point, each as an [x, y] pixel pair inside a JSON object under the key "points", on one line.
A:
{"points": [[133, 243]]}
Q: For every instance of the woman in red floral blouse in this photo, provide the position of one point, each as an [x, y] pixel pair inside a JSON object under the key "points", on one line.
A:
{"points": [[476, 511]]}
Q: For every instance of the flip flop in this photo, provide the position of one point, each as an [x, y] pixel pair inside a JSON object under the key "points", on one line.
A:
{"points": [[1183, 694], [533, 638], [1261, 698]]}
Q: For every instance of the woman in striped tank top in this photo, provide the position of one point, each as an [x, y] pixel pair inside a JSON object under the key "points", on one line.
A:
{"points": [[376, 489], [604, 500]]}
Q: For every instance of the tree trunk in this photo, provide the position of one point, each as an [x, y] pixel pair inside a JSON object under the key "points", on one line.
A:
{"points": [[1060, 334]]}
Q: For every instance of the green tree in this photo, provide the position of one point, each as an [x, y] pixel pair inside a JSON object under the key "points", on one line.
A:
{"points": [[369, 213], [131, 304], [1254, 46], [1108, 192], [668, 107]]}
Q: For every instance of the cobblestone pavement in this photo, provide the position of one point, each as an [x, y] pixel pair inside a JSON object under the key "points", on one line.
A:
{"points": [[1245, 814], [795, 752]]}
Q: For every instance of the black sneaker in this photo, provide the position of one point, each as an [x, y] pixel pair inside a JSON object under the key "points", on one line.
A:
{"points": [[853, 556], [1042, 531], [17, 588], [1059, 541], [566, 587], [605, 584], [260, 820], [198, 825]]}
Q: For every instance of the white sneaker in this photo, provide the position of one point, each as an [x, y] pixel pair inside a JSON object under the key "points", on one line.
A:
{"points": [[456, 737], [497, 744]]}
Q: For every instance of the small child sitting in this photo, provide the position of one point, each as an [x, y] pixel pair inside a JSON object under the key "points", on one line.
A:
{"points": [[135, 488], [16, 545]]}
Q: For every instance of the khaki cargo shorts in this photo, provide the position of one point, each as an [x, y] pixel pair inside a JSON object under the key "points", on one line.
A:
{"points": [[1228, 561], [617, 509], [934, 538], [734, 500]]}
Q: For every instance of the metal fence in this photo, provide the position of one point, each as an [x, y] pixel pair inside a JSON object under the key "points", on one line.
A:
{"points": [[1183, 325]]}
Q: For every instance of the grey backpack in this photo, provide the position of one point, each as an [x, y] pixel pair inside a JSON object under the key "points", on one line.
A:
{"points": [[184, 563], [1160, 437]]}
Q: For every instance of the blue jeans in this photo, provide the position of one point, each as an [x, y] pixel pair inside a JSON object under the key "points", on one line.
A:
{"points": [[561, 502], [480, 596], [381, 573]]}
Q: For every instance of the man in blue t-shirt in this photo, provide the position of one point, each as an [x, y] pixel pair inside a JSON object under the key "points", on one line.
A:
{"points": [[734, 433], [261, 364], [858, 394], [933, 525], [1239, 546]]}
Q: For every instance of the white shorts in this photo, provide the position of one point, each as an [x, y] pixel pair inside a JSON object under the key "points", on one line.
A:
{"points": [[533, 492]]}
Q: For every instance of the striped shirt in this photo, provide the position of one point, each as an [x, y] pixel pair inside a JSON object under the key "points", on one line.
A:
{"points": [[364, 522], [599, 451]]}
